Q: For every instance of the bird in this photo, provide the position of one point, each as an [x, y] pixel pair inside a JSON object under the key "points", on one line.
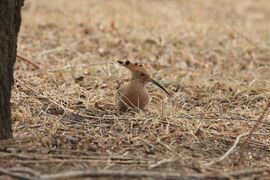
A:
{"points": [[134, 94]]}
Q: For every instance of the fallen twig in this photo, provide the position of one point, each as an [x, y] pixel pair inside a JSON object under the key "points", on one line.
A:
{"points": [[137, 174], [79, 161], [245, 172], [125, 174], [27, 61], [111, 173], [228, 152], [15, 175], [24, 170], [159, 163], [153, 174], [247, 140]]}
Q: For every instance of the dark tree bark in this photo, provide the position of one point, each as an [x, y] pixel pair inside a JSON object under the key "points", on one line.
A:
{"points": [[10, 21]]}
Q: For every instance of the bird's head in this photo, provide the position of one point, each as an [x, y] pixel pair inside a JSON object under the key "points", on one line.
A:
{"points": [[139, 72]]}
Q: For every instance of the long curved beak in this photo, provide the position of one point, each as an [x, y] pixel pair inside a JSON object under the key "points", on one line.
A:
{"points": [[160, 86]]}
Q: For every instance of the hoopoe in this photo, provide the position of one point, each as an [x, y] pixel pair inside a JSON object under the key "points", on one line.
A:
{"points": [[134, 94]]}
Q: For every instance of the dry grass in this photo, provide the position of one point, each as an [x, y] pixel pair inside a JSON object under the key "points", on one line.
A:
{"points": [[213, 56]]}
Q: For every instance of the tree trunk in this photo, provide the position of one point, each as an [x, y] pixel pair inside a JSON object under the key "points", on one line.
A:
{"points": [[10, 21]]}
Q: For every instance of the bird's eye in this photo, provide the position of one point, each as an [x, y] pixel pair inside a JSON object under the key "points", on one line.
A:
{"points": [[142, 74]]}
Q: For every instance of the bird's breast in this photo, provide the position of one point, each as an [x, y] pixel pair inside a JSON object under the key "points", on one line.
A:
{"points": [[134, 96]]}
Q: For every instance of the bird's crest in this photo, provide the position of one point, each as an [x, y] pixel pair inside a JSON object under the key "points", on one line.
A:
{"points": [[134, 67]]}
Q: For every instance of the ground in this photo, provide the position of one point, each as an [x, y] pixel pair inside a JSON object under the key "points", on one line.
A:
{"points": [[212, 56]]}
